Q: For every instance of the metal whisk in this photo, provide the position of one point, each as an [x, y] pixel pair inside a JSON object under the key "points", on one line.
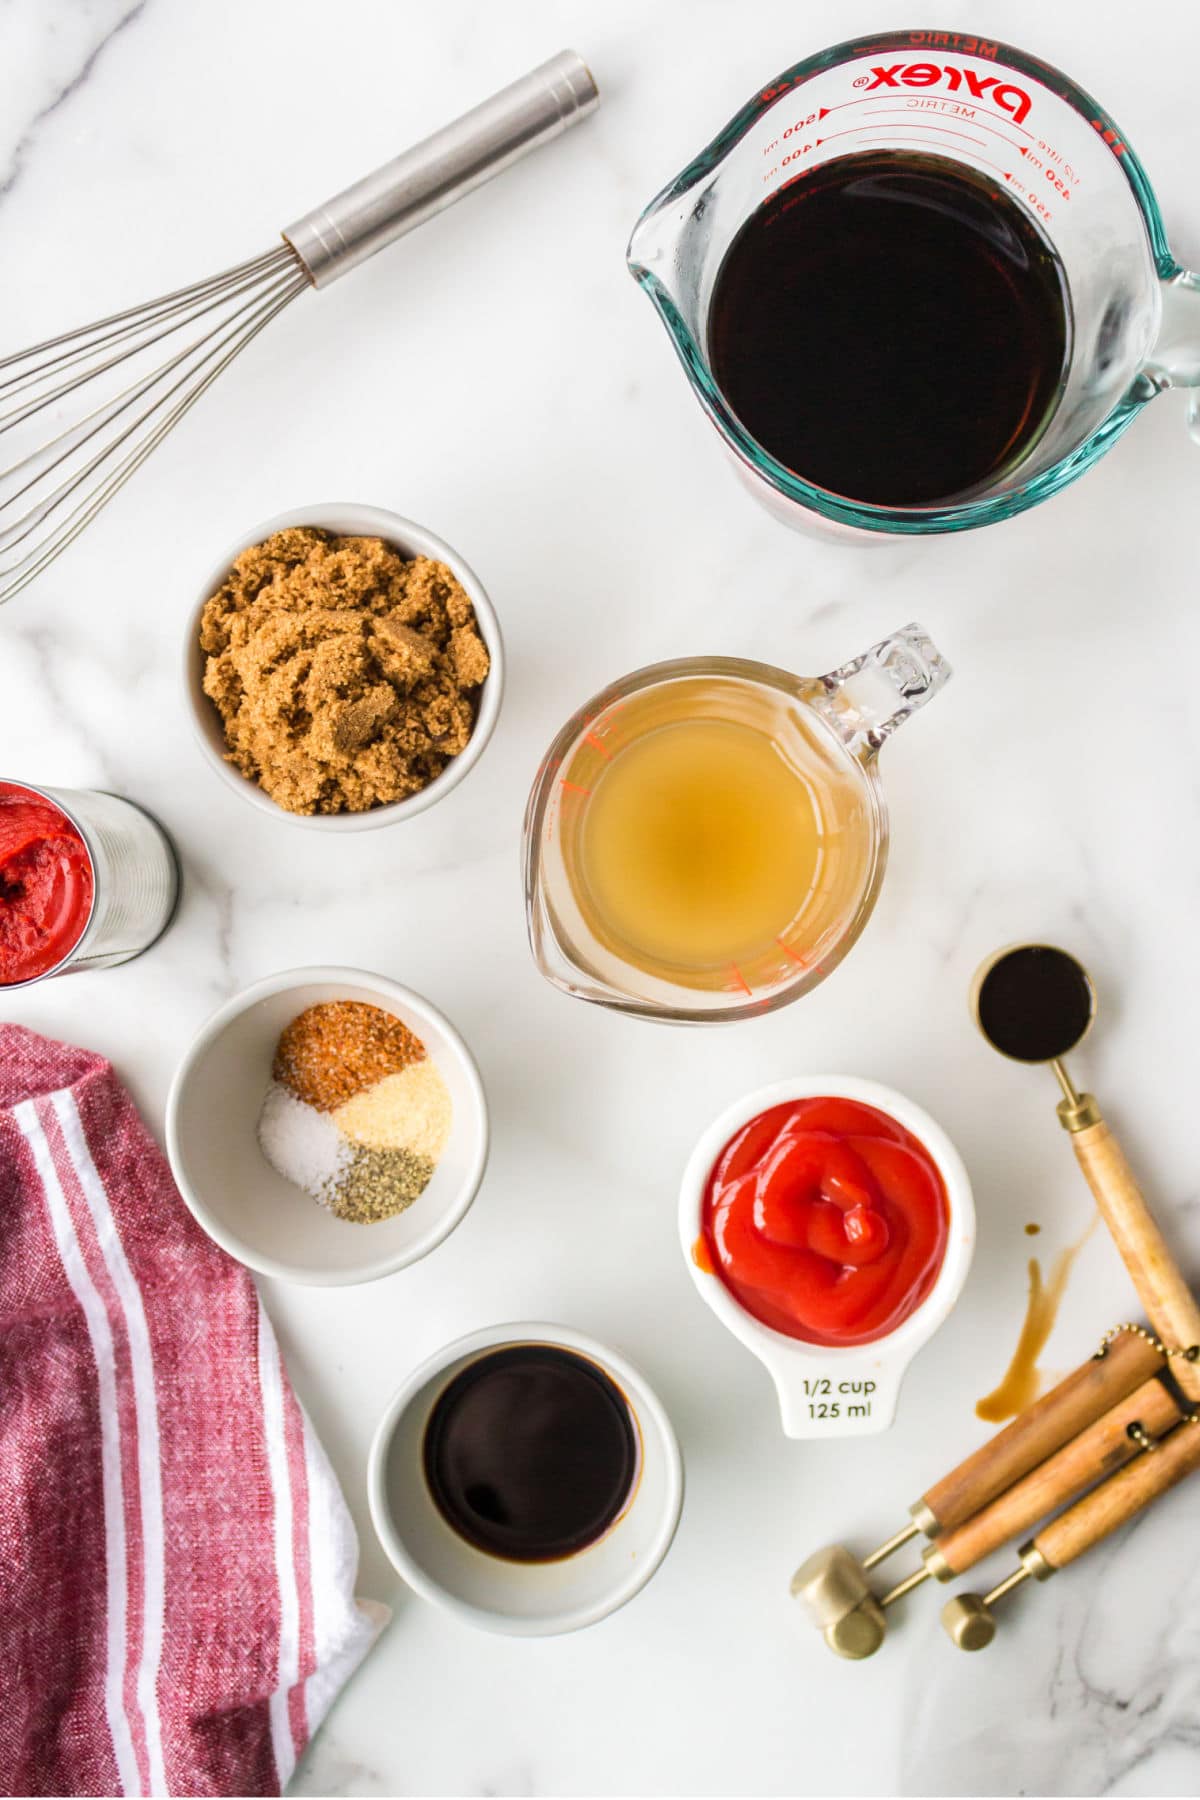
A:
{"points": [[110, 392]]}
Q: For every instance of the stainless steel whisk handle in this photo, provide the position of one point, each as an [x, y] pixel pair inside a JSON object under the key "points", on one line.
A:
{"points": [[435, 173]]}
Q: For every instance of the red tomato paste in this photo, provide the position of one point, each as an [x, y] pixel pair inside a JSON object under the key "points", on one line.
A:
{"points": [[826, 1220], [46, 885]]}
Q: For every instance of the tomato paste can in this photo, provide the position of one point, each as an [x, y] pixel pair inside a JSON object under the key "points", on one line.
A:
{"points": [[134, 872]]}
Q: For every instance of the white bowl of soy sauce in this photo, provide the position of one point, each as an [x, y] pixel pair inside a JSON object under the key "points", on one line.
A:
{"points": [[527, 1479]]}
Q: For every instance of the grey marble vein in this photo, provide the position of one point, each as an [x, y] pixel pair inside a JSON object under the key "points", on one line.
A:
{"points": [[69, 65]]}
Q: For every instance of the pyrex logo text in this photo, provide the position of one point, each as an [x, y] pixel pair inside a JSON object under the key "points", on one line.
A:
{"points": [[1012, 100]]}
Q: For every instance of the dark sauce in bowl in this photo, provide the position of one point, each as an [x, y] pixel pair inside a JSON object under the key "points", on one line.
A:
{"points": [[531, 1453]]}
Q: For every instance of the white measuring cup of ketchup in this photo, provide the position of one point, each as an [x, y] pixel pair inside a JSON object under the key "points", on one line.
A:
{"points": [[832, 1390], [1134, 311]]}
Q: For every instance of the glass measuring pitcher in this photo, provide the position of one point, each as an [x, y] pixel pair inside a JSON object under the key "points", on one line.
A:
{"points": [[1133, 314], [706, 838]]}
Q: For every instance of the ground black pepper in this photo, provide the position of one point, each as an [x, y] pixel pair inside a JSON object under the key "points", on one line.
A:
{"points": [[378, 1184]]}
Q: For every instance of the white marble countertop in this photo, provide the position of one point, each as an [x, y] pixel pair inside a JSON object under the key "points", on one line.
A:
{"points": [[500, 378]]}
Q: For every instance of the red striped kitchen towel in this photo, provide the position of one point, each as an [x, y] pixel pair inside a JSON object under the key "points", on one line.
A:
{"points": [[176, 1560]]}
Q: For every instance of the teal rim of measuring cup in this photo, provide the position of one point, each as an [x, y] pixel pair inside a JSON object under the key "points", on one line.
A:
{"points": [[908, 521]]}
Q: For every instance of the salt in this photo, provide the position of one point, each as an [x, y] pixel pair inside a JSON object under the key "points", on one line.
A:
{"points": [[302, 1144]]}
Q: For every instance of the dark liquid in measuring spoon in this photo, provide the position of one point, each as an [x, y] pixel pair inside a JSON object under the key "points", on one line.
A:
{"points": [[892, 328], [1035, 1003], [531, 1453]]}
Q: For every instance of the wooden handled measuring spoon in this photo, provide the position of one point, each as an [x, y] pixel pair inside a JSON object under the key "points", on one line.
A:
{"points": [[1114, 1439], [1034, 1002], [968, 1618], [832, 1583]]}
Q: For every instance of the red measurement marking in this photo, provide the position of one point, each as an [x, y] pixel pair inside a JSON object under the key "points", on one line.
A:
{"points": [[916, 130], [797, 126], [975, 105], [1008, 97], [950, 40], [859, 130], [940, 40], [1110, 137], [1057, 177], [904, 112], [739, 981], [968, 115], [573, 787], [791, 954], [589, 737]]}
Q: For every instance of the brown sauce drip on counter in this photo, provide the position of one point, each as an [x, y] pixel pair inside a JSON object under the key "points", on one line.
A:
{"points": [[1023, 1378]]}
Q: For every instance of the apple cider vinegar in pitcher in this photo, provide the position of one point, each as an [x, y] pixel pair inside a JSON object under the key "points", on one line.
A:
{"points": [[705, 838], [721, 834], [701, 843]]}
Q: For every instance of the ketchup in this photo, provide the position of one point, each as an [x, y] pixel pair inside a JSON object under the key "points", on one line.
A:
{"points": [[46, 885], [826, 1220]]}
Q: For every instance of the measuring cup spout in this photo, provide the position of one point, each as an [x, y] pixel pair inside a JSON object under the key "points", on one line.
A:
{"points": [[1174, 360], [648, 253], [867, 699]]}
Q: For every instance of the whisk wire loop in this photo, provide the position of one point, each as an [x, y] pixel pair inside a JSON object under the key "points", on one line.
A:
{"points": [[50, 490]]}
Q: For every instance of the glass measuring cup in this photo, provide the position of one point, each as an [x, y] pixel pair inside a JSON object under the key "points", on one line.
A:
{"points": [[1134, 312], [828, 728]]}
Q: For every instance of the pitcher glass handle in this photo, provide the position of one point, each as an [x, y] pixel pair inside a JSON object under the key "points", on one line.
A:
{"points": [[1174, 360], [866, 699]]}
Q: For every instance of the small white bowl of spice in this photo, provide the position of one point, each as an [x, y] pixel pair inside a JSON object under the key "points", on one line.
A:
{"points": [[343, 667], [327, 1126]]}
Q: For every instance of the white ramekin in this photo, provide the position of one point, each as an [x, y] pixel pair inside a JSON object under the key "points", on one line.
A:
{"points": [[346, 520], [231, 1188], [522, 1599], [831, 1391]]}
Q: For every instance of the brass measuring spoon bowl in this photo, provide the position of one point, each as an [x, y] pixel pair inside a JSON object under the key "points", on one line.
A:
{"points": [[1033, 1003]]}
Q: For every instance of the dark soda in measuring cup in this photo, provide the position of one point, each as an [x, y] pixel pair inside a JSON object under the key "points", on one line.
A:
{"points": [[891, 327], [918, 283]]}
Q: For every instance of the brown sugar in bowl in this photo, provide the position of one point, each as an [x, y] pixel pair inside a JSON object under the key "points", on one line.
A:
{"points": [[344, 519]]}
